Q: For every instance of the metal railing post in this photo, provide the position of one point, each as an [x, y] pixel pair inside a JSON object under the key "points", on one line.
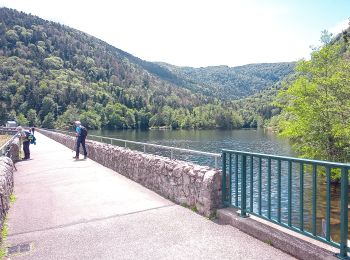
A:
{"points": [[328, 204], [290, 193], [344, 213], [314, 199], [251, 184], [230, 184], [223, 180], [301, 197], [236, 179], [259, 186], [279, 190], [244, 186], [269, 188]]}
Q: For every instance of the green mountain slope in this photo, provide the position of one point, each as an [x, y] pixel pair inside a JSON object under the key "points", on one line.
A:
{"points": [[41, 59], [234, 82], [51, 74]]}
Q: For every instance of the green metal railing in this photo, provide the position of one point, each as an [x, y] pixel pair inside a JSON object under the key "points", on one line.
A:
{"points": [[294, 193]]}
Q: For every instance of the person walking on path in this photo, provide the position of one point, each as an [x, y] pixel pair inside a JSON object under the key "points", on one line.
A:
{"points": [[81, 133], [26, 138]]}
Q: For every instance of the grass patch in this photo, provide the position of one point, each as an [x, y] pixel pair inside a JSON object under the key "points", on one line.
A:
{"points": [[184, 205], [12, 198], [194, 209], [269, 242], [4, 139], [4, 234], [4, 231], [212, 216]]}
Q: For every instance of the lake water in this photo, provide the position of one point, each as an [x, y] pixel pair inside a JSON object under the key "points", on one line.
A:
{"points": [[249, 140], [213, 141]]}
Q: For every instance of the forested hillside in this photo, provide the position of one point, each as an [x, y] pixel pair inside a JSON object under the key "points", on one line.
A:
{"points": [[51, 75], [234, 82]]}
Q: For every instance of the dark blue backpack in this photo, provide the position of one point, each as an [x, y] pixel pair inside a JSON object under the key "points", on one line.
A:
{"points": [[83, 131], [30, 137]]}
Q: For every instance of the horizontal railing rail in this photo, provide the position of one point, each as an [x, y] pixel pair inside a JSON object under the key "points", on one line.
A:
{"points": [[112, 141], [291, 192], [5, 148], [8, 130]]}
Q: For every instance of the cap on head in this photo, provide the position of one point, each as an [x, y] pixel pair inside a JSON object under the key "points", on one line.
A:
{"points": [[77, 122]]}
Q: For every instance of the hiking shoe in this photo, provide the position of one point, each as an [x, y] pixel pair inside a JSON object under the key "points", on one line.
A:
{"points": [[76, 157], [85, 156]]}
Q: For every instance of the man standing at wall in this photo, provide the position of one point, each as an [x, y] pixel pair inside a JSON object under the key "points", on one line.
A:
{"points": [[26, 138], [81, 133]]}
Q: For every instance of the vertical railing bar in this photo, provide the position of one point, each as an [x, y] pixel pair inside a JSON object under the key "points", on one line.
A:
{"points": [[314, 199], [223, 180], [230, 176], [344, 212], [328, 203], [243, 185], [279, 190], [216, 162], [260, 186], [290, 193], [301, 196], [251, 206], [144, 148], [269, 188], [236, 179]]}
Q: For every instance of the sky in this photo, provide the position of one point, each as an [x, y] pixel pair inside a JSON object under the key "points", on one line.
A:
{"points": [[200, 33]]}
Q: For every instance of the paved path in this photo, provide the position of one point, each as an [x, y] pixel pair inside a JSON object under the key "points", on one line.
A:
{"points": [[67, 209]]}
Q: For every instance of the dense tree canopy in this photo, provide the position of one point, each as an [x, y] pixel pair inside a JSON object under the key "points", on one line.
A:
{"points": [[227, 83], [316, 106]]}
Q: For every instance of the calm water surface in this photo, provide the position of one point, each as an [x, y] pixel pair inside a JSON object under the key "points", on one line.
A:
{"points": [[249, 140], [213, 141]]}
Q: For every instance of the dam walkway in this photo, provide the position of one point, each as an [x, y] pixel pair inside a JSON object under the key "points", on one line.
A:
{"points": [[79, 209]]}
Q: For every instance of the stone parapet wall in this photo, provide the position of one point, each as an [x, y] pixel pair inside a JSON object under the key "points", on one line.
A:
{"points": [[195, 186], [14, 150], [11, 150], [6, 186]]}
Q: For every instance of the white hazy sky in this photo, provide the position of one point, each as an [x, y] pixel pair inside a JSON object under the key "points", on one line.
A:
{"points": [[200, 33]]}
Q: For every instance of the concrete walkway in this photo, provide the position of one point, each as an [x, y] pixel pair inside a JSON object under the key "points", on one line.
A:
{"points": [[67, 209]]}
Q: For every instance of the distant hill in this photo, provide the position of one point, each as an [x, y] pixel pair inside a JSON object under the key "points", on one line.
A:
{"points": [[233, 82], [51, 74]]}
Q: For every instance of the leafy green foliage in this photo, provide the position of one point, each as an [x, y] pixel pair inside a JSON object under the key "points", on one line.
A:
{"points": [[49, 121], [316, 108]]}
